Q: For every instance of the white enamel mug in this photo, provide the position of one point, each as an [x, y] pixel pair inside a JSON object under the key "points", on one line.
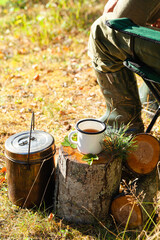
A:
{"points": [[90, 133]]}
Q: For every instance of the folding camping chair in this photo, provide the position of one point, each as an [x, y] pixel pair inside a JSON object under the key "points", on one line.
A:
{"points": [[150, 77]]}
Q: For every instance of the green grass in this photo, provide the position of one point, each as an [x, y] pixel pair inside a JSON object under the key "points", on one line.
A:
{"points": [[3, 2], [40, 23]]}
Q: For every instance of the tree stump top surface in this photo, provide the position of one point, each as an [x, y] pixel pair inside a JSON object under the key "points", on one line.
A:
{"points": [[146, 155], [76, 156], [125, 208]]}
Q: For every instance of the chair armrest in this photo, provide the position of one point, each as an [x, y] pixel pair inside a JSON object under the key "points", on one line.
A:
{"points": [[125, 25], [142, 70]]}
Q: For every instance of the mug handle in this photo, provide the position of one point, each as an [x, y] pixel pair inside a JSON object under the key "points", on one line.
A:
{"points": [[70, 137]]}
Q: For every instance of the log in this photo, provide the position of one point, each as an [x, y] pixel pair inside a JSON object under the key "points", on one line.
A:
{"points": [[83, 193], [142, 163], [137, 202], [125, 209], [145, 156]]}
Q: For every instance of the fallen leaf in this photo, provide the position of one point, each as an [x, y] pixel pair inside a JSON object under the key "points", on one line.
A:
{"points": [[3, 170], [35, 66], [65, 48], [65, 123], [2, 179], [23, 51], [36, 77], [50, 217], [49, 71], [68, 127], [62, 113]]}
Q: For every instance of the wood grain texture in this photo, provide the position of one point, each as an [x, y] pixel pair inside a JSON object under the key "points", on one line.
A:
{"points": [[126, 209], [146, 154]]}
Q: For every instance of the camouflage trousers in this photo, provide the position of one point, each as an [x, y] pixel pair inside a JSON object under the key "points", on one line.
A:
{"points": [[108, 49]]}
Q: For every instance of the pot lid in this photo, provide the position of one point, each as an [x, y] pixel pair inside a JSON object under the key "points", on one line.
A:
{"points": [[17, 146]]}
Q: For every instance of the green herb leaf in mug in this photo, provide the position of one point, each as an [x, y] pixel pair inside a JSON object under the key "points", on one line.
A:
{"points": [[67, 143], [89, 158]]}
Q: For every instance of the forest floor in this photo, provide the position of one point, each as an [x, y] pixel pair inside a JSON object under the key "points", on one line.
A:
{"points": [[57, 82]]}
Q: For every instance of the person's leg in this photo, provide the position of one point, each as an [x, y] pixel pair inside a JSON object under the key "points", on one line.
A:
{"points": [[108, 49], [122, 100], [147, 99], [118, 84]]}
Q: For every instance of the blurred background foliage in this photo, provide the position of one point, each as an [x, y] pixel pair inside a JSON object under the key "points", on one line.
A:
{"points": [[41, 20]]}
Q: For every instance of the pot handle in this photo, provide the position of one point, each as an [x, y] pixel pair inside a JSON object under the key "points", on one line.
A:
{"points": [[30, 135]]}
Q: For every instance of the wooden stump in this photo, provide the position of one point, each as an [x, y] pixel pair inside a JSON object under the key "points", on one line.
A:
{"points": [[125, 209], [83, 193], [144, 159]]}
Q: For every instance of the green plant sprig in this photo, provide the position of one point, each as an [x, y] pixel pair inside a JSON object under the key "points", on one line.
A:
{"points": [[67, 143], [117, 143], [89, 158]]}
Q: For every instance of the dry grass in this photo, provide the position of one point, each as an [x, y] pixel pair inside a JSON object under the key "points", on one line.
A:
{"points": [[57, 82]]}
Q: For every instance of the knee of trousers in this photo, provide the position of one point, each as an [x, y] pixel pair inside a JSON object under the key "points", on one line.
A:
{"points": [[106, 47], [120, 87]]}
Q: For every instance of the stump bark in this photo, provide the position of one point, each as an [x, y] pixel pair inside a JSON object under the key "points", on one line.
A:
{"points": [[83, 193]]}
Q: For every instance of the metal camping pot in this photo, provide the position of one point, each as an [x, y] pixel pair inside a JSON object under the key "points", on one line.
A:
{"points": [[30, 167]]}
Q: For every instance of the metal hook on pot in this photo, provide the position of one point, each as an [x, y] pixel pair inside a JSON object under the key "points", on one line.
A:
{"points": [[30, 137]]}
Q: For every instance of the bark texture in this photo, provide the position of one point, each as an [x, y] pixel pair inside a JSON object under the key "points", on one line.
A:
{"points": [[83, 193]]}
